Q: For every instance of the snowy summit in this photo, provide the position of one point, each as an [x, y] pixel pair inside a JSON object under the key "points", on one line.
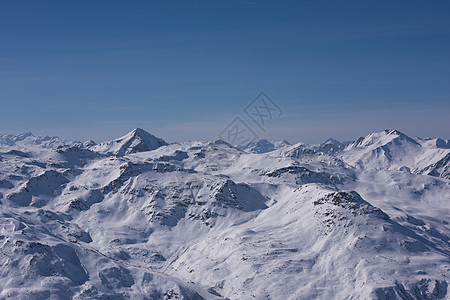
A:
{"points": [[137, 140]]}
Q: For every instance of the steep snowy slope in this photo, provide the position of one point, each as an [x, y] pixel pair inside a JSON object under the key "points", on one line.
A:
{"points": [[137, 218], [436, 159], [440, 168]]}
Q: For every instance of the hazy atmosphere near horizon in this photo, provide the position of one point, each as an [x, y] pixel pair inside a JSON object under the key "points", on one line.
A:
{"points": [[183, 70]]}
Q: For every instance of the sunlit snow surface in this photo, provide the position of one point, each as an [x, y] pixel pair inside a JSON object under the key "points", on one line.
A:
{"points": [[137, 218]]}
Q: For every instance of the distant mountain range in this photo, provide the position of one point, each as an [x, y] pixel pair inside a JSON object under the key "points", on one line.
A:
{"points": [[389, 149], [26, 140], [139, 218]]}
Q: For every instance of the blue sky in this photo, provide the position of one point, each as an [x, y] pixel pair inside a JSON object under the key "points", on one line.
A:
{"points": [[183, 70]]}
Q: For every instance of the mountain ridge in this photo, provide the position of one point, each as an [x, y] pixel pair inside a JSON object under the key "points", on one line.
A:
{"points": [[136, 216]]}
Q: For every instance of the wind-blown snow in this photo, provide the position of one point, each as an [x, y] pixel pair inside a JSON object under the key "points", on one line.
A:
{"points": [[137, 218]]}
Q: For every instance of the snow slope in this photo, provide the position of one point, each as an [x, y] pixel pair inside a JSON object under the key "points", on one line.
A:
{"points": [[137, 218]]}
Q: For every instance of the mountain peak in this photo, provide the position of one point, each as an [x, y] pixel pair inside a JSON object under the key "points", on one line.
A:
{"points": [[25, 135], [394, 132], [139, 132], [137, 140], [378, 139], [259, 146], [332, 142], [136, 133], [401, 135], [282, 143], [264, 146]]}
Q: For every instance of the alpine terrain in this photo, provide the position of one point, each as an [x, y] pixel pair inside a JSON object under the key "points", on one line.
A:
{"points": [[140, 218]]}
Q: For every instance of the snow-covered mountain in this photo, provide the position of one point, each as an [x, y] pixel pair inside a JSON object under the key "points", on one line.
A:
{"points": [[137, 140], [264, 146], [137, 218], [28, 140], [332, 146], [391, 149]]}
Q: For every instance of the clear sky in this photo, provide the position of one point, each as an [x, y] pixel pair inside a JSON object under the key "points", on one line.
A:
{"points": [[184, 70]]}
